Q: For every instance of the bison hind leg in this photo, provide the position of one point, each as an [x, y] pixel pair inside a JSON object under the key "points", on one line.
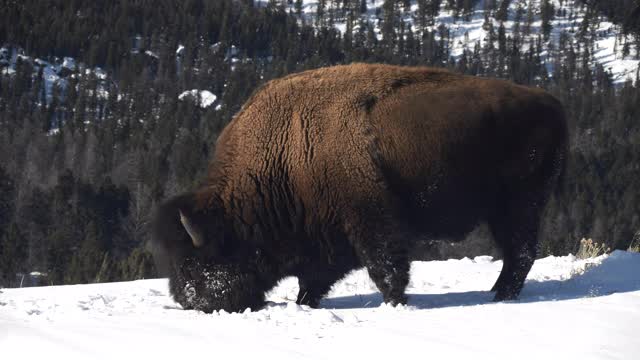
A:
{"points": [[515, 229]]}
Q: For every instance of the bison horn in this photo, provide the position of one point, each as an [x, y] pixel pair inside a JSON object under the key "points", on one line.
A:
{"points": [[194, 233]]}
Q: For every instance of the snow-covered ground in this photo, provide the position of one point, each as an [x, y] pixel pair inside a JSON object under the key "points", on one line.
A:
{"points": [[569, 309]]}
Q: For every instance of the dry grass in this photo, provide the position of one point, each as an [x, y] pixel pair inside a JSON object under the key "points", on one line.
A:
{"points": [[590, 249], [635, 243]]}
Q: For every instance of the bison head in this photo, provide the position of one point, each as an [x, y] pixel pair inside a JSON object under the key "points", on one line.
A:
{"points": [[208, 270]]}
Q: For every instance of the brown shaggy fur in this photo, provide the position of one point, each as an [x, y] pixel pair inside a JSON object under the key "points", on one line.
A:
{"points": [[328, 170]]}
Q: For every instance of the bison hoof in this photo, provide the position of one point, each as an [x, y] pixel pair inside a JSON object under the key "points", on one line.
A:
{"points": [[312, 303], [502, 295], [396, 300]]}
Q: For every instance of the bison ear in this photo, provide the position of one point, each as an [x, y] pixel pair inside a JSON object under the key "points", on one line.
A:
{"points": [[194, 231]]}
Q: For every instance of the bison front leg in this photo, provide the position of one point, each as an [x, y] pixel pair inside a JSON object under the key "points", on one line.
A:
{"points": [[391, 276], [374, 225], [383, 250]]}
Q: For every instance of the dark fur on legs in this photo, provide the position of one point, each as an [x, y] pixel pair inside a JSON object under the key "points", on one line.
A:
{"points": [[382, 247], [316, 281], [515, 227]]}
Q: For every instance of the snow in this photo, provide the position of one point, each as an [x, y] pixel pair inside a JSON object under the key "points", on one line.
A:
{"points": [[69, 63], [55, 72], [569, 308], [465, 34], [8, 71], [100, 73], [608, 50], [205, 97], [622, 68], [151, 54]]}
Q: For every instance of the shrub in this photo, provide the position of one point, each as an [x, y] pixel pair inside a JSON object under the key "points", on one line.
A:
{"points": [[635, 243], [589, 249]]}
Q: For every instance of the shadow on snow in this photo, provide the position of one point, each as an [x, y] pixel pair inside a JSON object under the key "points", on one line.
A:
{"points": [[620, 272]]}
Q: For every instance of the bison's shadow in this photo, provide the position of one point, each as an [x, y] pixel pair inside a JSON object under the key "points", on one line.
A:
{"points": [[616, 274], [421, 301], [534, 291]]}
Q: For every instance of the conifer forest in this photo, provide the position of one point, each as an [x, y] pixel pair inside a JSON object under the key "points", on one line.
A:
{"points": [[109, 107]]}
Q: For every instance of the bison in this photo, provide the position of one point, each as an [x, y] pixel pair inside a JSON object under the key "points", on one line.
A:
{"points": [[328, 170]]}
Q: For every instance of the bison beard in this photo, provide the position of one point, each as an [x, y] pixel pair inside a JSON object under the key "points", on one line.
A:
{"points": [[329, 170]]}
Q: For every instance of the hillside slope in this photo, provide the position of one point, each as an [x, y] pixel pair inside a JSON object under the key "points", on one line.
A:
{"points": [[571, 18]]}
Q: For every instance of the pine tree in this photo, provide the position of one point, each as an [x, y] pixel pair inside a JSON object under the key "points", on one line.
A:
{"points": [[502, 14], [7, 188], [529, 20], [363, 6], [298, 8], [547, 12], [320, 13], [388, 28], [13, 253]]}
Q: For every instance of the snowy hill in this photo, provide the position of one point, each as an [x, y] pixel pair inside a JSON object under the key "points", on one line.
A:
{"points": [[465, 32], [617, 53], [56, 72], [569, 309]]}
